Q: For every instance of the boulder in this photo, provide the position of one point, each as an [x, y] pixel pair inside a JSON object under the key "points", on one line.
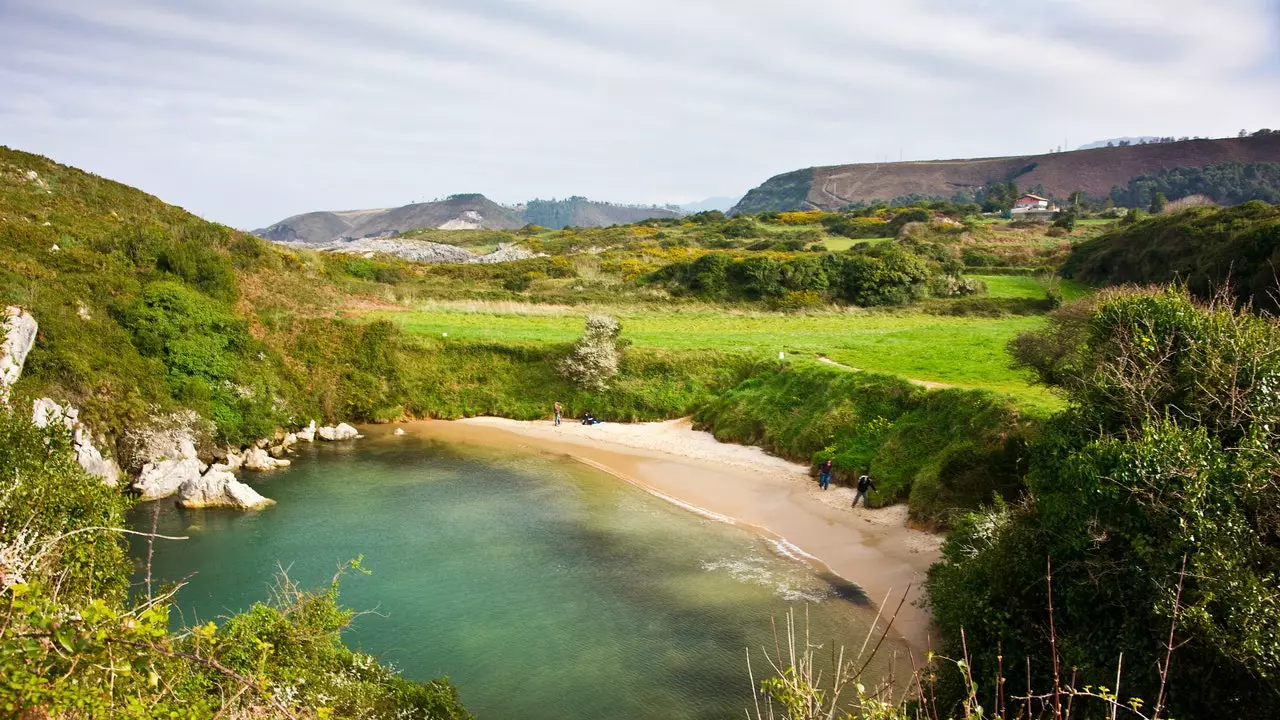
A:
{"points": [[341, 432], [19, 335], [219, 488], [46, 412], [259, 460], [164, 475], [233, 462], [307, 434]]}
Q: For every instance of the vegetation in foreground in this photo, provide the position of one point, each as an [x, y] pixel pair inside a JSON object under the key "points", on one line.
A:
{"points": [[73, 643], [1153, 497]]}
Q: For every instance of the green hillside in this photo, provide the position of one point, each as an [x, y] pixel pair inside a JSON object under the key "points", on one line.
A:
{"points": [[1208, 249]]}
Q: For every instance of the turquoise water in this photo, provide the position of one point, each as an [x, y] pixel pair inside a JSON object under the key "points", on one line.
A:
{"points": [[542, 588]]}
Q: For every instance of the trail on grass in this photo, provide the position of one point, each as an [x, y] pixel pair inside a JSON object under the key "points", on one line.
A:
{"points": [[927, 384]]}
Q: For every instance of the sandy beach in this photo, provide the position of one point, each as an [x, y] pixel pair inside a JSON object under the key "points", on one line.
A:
{"points": [[873, 549]]}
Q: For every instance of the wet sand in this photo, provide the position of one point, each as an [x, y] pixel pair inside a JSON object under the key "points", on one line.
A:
{"points": [[873, 549]]}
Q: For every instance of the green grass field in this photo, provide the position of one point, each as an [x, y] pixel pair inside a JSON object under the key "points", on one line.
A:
{"points": [[960, 351]]}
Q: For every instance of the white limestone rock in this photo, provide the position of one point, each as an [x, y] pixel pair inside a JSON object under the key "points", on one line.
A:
{"points": [[234, 461], [219, 488], [46, 412], [259, 460], [307, 434], [342, 432], [19, 335], [174, 435], [164, 475]]}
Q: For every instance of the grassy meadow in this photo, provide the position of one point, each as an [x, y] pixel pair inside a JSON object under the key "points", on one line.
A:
{"points": [[964, 352]]}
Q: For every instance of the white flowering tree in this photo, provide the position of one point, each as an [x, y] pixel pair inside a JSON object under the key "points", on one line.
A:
{"points": [[595, 358]]}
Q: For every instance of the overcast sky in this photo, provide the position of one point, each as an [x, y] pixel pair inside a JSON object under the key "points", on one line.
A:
{"points": [[247, 111]]}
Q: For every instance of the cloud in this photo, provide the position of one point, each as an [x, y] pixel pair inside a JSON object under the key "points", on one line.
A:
{"points": [[246, 111]]}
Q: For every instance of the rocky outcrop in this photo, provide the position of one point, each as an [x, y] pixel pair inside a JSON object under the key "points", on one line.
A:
{"points": [[341, 432], [219, 488], [418, 251], [260, 460], [166, 475], [46, 412], [168, 436], [507, 253], [233, 462], [307, 434], [19, 335]]}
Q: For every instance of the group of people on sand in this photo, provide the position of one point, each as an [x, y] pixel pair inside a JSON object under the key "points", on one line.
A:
{"points": [[587, 417], [865, 483]]}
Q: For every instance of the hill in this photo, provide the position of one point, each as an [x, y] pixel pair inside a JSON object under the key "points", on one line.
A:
{"points": [[581, 212], [723, 204], [1095, 172], [1206, 248], [470, 211]]}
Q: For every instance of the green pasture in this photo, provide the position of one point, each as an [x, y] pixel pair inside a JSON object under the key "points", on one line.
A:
{"points": [[961, 351]]}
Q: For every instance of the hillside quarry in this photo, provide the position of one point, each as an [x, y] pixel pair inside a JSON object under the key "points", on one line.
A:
{"points": [[1094, 172]]}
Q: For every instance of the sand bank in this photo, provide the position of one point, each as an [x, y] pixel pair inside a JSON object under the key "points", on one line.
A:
{"points": [[872, 548]]}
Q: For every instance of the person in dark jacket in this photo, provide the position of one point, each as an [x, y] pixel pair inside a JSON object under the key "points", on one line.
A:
{"points": [[864, 484], [824, 474]]}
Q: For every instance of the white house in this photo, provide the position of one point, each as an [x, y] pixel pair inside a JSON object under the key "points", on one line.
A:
{"points": [[1033, 207]]}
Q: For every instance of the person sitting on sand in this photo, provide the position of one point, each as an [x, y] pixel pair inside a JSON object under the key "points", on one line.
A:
{"points": [[824, 474], [557, 411], [587, 419], [864, 484]]}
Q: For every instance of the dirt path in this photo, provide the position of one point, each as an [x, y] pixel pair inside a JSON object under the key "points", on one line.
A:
{"points": [[927, 384]]}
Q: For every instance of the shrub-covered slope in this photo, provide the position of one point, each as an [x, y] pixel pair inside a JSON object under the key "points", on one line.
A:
{"points": [[1203, 247]]}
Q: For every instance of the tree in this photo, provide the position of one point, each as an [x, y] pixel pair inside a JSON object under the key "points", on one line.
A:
{"points": [[1066, 219], [596, 356], [1158, 203]]}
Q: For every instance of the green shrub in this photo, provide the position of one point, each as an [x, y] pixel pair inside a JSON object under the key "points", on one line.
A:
{"points": [[1154, 498], [1203, 247]]}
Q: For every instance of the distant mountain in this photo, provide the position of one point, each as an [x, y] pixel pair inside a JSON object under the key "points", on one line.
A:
{"points": [[581, 212], [1116, 141], [1095, 172], [457, 212], [723, 204]]}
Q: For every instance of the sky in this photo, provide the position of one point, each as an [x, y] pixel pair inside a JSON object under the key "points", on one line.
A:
{"points": [[248, 111]]}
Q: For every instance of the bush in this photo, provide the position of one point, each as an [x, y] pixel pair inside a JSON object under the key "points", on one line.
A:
{"points": [[1154, 497], [1204, 247]]}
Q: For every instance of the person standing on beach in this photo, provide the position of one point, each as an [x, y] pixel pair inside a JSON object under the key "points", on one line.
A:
{"points": [[864, 484], [557, 410], [824, 474]]}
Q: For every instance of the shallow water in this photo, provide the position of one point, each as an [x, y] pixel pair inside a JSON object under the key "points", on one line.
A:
{"points": [[541, 587]]}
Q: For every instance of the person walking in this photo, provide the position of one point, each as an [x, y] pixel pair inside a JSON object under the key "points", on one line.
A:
{"points": [[824, 474], [557, 409], [864, 484]]}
